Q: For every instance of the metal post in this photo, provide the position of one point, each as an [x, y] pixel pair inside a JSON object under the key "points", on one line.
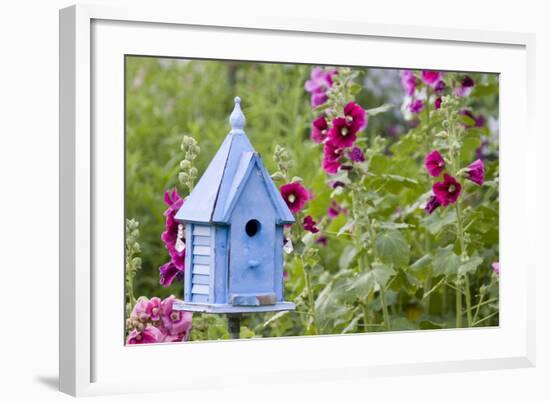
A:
{"points": [[234, 325]]}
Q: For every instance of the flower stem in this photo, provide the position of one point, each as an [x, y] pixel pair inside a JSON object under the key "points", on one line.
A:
{"points": [[311, 301], [385, 313], [365, 316], [467, 295], [458, 305]]}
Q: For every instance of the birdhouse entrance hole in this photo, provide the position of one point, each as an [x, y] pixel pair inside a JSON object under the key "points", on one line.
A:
{"points": [[252, 227]]}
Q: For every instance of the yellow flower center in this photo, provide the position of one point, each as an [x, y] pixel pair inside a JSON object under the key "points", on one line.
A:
{"points": [[175, 316], [291, 198], [344, 131], [452, 188]]}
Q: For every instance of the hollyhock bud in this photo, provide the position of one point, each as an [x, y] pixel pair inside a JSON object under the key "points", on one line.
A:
{"points": [[356, 155]]}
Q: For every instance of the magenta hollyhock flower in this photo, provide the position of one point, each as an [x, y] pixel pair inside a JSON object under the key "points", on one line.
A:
{"points": [[447, 191], [496, 268], [356, 117], [331, 157], [408, 82], [437, 103], [431, 78], [295, 196], [169, 236], [170, 272], [175, 322], [431, 205], [149, 335], [153, 308], [319, 129], [356, 155], [340, 134], [140, 310], [434, 163], [416, 106], [310, 224], [475, 172], [464, 87]]}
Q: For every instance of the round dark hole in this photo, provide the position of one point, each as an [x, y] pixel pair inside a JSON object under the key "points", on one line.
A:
{"points": [[252, 227]]}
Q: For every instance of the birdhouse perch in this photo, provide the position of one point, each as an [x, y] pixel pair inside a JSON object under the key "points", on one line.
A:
{"points": [[234, 220]]}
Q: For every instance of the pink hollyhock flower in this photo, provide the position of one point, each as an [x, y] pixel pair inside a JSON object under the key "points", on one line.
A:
{"points": [[148, 335], [437, 103], [140, 310], [340, 134], [434, 163], [475, 172], [318, 85], [175, 322], [331, 157], [447, 191], [153, 308], [310, 224], [431, 78], [465, 86], [356, 117], [295, 196], [356, 155], [496, 268], [169, 236], [416, 106], [318, 99], [319, 129], [431, 205], [408, 82], [170, 271]]}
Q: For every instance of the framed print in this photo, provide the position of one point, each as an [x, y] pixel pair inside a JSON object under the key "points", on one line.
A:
{"points": [[238, 196]]}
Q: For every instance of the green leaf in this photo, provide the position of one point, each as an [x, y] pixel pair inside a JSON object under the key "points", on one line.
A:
{"points": [[347, 256], [431, 325], [380, 109], [445, 262], [435, 222], [392, 248], [275, 317], [471, 265]]}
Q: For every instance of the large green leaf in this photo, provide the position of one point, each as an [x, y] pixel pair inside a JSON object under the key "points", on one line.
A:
{"points": [[393, 248], [445, 262]]}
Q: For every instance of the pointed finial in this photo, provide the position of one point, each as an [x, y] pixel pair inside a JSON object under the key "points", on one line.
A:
{"points": [[237, 119]]}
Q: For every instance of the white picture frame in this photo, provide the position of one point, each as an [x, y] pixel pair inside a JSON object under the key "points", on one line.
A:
{"points": [[94, 361]]}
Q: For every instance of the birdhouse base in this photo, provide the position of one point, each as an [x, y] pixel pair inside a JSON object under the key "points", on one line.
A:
{"points": [[228, 308]]}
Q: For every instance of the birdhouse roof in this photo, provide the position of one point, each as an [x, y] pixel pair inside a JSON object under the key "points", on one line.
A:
{"points": [[215, 195]]}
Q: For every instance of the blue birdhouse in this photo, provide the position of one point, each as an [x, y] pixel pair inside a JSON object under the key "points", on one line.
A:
{"points": [[234, 220]]}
